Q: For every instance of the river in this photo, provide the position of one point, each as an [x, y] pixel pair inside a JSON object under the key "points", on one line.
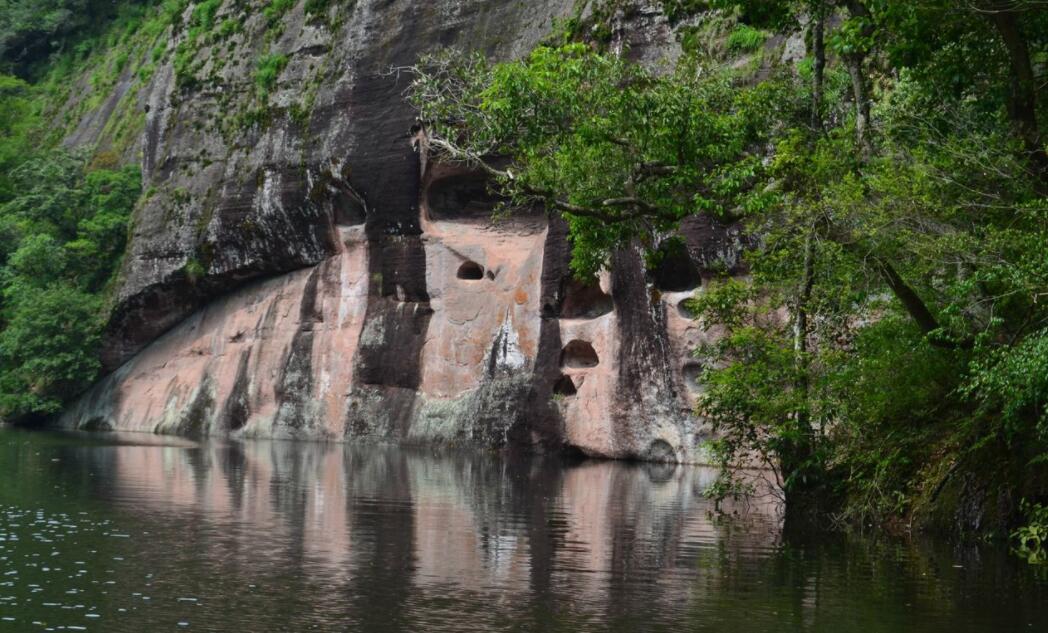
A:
{"points": [[113, 532]]}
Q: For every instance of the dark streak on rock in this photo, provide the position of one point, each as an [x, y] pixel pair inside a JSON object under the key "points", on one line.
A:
{"points": [[545, 423], [295, 384], [195, 420], [237, 408], [644, 363]]}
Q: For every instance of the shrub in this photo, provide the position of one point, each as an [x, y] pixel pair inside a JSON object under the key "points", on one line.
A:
{"points": [[1032, 539], [48, 349], [276, 10], [185, 55], [267, 70], [745, 38]]}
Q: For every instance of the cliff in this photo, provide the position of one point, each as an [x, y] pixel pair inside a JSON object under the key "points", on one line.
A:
{"points": [[297, 268]]}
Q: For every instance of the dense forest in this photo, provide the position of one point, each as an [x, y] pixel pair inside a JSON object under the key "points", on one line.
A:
{"points": [[886, 353]]}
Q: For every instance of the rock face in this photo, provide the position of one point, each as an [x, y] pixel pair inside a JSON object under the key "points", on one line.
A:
{"points": [[310, 274]]}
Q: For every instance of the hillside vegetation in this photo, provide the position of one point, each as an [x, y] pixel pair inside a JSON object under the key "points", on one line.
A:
{"points": [[64, 212], [73, 76]]}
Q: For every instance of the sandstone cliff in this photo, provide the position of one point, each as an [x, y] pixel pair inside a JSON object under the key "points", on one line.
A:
{"points": [[299, 269]]}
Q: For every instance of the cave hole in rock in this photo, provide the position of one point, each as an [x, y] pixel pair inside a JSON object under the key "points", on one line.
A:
{"points": [[578, 353], [675, 271], [584, 300], [347, 210], [334, 195], [96, 423], [470, 270], [692, 372], [565, 386], [661, 451], [462, 197]]}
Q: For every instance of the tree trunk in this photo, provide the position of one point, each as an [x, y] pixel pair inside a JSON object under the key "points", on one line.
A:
{"points": [[800, 321], [800, 335], [818, 42], [860, 89], [911, 302], [801, 480], [915, 306], [862, 102], [1022, 100]]}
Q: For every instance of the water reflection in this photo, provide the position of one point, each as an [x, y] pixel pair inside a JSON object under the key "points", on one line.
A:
{"points": [[421, 520], [265, 536]]}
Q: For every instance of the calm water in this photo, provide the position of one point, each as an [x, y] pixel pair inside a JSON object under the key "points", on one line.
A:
{"points": [[143, 533]]}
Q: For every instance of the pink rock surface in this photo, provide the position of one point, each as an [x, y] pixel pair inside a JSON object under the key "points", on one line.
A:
{"points": [[228, 357], [283, 357]]}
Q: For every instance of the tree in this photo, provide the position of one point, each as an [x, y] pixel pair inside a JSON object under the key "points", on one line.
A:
{"points": [[48, 348], [30, 30], [1007, 16], [17, 123], [622, 153]]}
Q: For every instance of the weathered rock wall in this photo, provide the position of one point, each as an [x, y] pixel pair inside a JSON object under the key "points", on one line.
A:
{"points": [[246, 182], [311, 275]]}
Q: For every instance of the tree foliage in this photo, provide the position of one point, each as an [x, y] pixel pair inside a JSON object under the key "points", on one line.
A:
{"points": [[32, 30], [64, 228], [623, 152]]}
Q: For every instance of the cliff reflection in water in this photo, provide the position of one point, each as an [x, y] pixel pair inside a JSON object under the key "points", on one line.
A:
{"points": [[376, 535], [283, 536], [468, 519]]}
